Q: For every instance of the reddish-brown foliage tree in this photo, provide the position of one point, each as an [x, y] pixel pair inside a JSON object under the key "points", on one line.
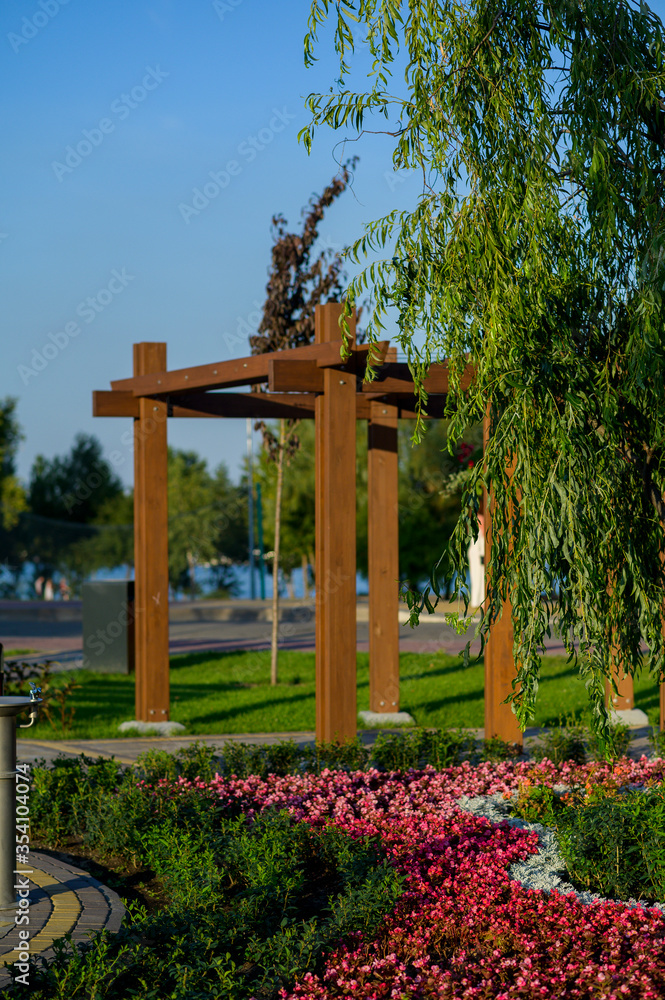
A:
{"points": [[302, 275]]}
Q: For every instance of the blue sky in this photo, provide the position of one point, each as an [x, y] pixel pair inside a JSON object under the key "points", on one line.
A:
{"points": [[114, 114], [118, 112]]}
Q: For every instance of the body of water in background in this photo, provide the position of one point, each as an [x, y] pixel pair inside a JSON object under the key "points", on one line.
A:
{"points": [[205, 580]]}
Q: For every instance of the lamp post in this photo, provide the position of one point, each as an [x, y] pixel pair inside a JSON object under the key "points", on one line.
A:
{"points": [[250, 490], [259, 520]]}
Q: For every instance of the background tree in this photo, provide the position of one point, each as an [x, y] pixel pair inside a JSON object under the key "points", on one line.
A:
{"points": [[431, 483], [300, 278], [12, 494], [297, 508], [430, 498], [65, 496], [111, 541], [536, 250], [207, 522], [13, 500]]}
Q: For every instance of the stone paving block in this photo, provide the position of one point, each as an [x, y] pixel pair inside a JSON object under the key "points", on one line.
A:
{"points": [[63, 899]]}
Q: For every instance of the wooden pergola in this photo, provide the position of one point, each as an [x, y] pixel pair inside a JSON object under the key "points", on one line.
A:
{"points": [[304, 382]]}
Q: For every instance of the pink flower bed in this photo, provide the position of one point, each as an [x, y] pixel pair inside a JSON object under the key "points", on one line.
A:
{"points": [[464, 929]]}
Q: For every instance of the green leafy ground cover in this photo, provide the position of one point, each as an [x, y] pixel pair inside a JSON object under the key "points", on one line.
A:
{"points": [[231, 693], [245, 902], [612, 840], [242, 904]]}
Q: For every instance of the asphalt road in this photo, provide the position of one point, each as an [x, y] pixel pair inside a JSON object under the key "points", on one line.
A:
{"points": [[203, 629], [64, 640]]}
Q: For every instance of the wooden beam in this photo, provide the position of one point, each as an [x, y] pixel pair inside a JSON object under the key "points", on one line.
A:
{"points": [[499, 663], [625, 698], [119, 403], [220, 375], [248, 404], [151, 560], [383, 558], [114, 404], [232, 405], [336, 703], [393, 377], [375, 354], [296, 376]]}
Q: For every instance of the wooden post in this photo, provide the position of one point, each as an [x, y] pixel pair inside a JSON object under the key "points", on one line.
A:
{"points": [[335, 420], [499, 664], [625, 697], [151, 561], [383, 558]]}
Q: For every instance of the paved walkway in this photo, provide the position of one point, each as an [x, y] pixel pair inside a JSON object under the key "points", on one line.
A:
{"points": [[126, 751], [62, 899]]}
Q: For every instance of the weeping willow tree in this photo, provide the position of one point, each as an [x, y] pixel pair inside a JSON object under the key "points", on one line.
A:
{"points": [[535, 251]]}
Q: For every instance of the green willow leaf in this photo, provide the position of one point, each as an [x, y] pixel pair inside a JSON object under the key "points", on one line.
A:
{"points": [[536, 251]]}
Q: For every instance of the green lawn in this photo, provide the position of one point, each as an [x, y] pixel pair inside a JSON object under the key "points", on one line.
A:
{"points": [[231, 693]]}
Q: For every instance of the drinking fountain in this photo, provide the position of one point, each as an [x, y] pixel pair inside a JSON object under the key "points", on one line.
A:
{"points": [[10, 707]]}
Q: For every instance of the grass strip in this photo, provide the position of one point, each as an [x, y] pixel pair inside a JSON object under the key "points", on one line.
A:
{"points": [[231, 693]]}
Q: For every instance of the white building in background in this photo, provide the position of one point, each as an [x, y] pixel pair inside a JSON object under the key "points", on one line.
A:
{"points": [[477, 566]]}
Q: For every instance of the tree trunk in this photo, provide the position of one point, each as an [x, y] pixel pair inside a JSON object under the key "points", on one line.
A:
{"points": [[191, 564], [275, 561], [305, 576]]}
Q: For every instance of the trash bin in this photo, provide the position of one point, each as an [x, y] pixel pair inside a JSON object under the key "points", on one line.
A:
{"points": [[108, 626]]}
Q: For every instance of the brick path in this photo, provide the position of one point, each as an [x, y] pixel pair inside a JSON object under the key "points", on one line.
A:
{"points": [[62, 899]]}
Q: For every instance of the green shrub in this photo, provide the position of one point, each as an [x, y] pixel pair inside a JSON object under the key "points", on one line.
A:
{"points": [[68, 791], [495, 750], [610, 746], [197, 760], [658, 741], [575, 740], [349, 755], [253, 901], [537, 804], [567, 741], [419, 747], [614, 844], [414, 748]]}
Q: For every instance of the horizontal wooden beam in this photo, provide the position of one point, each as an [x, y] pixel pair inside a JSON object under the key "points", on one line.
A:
{"points": [[258, 405], [248, 404], [393, 377], [294, 376], [396, 378], [363, 354], [117, 403], [223, 374]]}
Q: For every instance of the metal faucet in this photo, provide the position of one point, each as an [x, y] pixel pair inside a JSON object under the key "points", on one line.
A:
{"points": [[35, 693]]}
